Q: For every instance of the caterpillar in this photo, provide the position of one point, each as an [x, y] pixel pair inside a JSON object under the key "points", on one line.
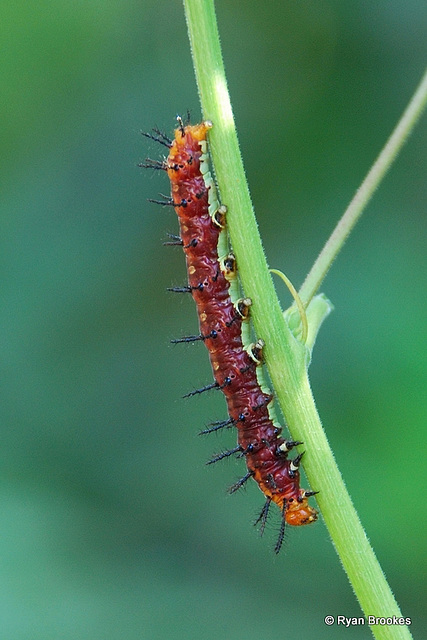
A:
{"points": [[223, 321]]}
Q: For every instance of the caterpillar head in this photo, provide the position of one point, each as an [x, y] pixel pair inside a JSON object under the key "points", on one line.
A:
{"points": [[299, 512]]}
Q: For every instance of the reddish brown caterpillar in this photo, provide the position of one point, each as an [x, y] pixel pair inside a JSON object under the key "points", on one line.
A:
{"points": [[211, 280]]}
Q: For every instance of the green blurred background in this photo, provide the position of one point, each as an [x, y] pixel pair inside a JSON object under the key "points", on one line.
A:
{"points": [[111, 525]]}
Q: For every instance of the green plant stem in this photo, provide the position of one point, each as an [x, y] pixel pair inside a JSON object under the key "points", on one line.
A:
{"points": [[362, 196], [285, 356]]}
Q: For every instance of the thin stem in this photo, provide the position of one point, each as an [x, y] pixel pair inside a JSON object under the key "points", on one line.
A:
{"points": [[365, 192], [298, 302], [284, 355]]}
